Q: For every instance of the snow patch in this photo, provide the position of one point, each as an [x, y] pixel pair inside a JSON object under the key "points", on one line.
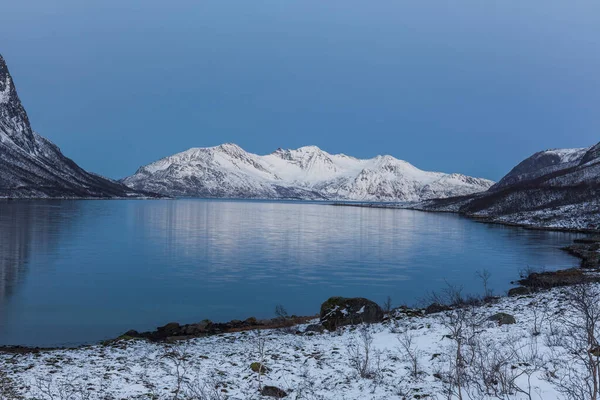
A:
{"points": [[5, 93]]}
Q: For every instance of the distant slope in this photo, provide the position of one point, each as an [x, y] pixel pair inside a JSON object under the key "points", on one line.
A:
{"points": [[553, 188], [304, 173], [32, 166]]}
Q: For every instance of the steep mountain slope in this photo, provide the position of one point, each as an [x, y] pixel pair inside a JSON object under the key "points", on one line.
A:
{"points": [[554, 188], [542, 163], [306, 173], [32, 166]]}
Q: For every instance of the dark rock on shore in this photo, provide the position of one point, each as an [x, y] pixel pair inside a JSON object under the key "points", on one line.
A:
{"points": [[316, 328], [175, 331], [340, 311], [550, 279], [436, 308], [503, 319], [272, 391], [588, 250], [519, 291]]}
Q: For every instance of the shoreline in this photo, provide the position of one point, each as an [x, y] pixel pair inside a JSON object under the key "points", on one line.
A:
{"points": [[578, 249], [484, 220], [587, 250], [303, 362]]}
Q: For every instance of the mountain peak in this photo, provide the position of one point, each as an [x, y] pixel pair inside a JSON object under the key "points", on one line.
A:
{"points": [[307, 172], [229, 146], [593, 153], [310, 149], [32, 166], [13, 117]]}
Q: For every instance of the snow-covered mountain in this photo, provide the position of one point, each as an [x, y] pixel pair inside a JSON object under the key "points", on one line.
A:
{"points": [[32, 166], [553, 188], [305, 173], [540, 164]]}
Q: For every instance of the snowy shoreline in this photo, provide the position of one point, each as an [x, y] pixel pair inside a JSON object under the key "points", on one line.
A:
{"points": [[308, 364], [305, 365], [557, 226]]}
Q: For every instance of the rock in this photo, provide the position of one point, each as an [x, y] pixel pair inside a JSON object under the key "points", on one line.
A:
{"points": [[550, 279], [340, 311], [519, 291], [503, 319], [258, 367], [436, 308], [272, 391], [169, 329], [587, 250], [318, 328]]}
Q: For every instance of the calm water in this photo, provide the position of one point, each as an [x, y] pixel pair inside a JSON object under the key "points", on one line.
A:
{"points": [[80, 271]]}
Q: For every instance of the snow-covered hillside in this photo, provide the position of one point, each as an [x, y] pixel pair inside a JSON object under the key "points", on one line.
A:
{"points": [[306, 173], [551, 189], [542, 163], [32, 166]]}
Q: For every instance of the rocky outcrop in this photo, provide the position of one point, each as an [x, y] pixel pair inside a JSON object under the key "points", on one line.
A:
{"points": [[503, 319], [175, 331], [435, 308], [340, 311], [519, 291], [272, 391]]}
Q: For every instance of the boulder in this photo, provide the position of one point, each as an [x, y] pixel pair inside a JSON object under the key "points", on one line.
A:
{"points": [[258, 367], [435, 308], [341, 311], [519, 291], [272, 391], [170, 329], [503, 318], [317, 328]]}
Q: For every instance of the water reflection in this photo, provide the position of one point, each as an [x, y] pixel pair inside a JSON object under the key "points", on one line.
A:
{"points": [[27, 227], [82, 271]]}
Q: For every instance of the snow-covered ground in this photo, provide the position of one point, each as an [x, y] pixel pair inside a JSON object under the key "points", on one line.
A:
{"points": [[582, 216], [320, 365]]}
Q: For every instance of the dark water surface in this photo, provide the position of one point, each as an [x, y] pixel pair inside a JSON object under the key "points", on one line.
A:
{"points": [[73, 272]]}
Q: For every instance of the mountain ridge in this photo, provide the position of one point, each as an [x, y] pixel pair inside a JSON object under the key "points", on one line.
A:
{"points": [[558, 189], [31, 166], [308, 172]]}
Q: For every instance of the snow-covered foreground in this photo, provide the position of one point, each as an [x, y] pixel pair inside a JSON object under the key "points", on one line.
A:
{"points": [[325, 366]]}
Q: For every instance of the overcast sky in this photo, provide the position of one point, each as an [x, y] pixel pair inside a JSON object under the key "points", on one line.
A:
{"points": [[464, 86]]}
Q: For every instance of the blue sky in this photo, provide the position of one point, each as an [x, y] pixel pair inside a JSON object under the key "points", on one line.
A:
{"points": [[465, 86]]}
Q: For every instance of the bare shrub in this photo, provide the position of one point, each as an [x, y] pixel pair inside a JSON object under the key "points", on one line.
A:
{"points": [[305, 389], [175, 361], [197, 389], [361, 356], [540, 314], [281, 313], [410, 351], [484, 276], [259, 347], [70, 388], [578, 335], [9, 387], [387, 305], [504, 370]]}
